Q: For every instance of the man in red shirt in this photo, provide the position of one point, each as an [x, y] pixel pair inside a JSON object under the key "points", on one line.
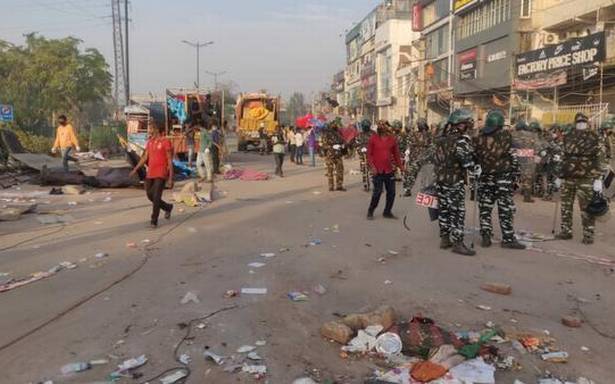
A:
{"points": [[383, 156], [159, 158]]}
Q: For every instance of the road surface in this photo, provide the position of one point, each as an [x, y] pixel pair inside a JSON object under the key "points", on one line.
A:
{"points": [[128, 303]]}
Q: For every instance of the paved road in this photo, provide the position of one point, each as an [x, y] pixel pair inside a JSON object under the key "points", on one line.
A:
{"points": [[128, 303]]}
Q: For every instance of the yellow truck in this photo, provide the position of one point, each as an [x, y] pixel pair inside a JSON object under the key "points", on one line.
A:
{"points": [[253, 111]]}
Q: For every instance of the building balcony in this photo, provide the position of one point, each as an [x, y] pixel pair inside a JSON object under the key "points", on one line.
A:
{"points": [[576, 14]]}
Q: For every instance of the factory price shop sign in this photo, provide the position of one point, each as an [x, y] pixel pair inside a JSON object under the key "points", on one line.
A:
{"points": [[572, 53]]}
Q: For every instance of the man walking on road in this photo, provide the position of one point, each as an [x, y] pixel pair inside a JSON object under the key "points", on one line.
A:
{"points": [[333, 147], [278, 151], [383, 158], [159, 158], [66, 141], [204, 162]]}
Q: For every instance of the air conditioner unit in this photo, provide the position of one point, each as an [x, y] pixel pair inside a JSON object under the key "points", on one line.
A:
{"points": [[550, 38]]}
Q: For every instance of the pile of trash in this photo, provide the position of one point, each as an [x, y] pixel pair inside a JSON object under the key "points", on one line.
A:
{"points": [[192, 195], [420, 351], [245, 175]]}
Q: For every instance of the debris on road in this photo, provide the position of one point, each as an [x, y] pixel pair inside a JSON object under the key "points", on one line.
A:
{"points": [[101, 255], [230, 294], [253, 291], [474, 371], [298, 296], [483, 307], [497, 288], [75, 368], [555, 357], [185, 359], [254, 356], [173, 378], [133, 363], [572, 321], [214, 357], [388, 344], [256, 265], [304, 380], [246, 349], [255, 369], [190, 297], [267, 255], [319, 289]]}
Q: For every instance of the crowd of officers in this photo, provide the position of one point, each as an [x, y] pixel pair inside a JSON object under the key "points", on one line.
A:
{"points": [[494, 160]]}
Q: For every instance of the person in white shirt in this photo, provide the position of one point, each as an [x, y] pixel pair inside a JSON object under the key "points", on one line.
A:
{"points": [[292, 146], [299, 141]]}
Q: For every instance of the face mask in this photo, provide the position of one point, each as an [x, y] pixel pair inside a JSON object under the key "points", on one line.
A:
{"points": [[582, 126]]}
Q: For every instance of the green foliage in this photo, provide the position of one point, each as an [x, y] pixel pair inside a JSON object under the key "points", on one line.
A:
{"points": [[47, 76], [296, 107], [34, 143], [105, 137]]}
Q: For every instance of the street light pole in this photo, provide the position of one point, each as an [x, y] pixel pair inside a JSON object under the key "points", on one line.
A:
{"points": [[215, 75], [198, 46]]}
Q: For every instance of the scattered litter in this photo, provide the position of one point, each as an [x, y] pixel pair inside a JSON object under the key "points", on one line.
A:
{"points": [[132, 363], [393, 253], [304, 380], [549, 380], [483, 307], [298, 296], [268, 255], [260, 343], [555, 357], [316, 192], [584, 349], [101, 255], [497, 288], [572, 321], [254, 356], [107, 199], [185, 359], [474, 371], [201, 326], [388, 344], [256, 265], [254, 369], [174, 377], [131, 245], [362, 343], [319, 289], [215, 358], [146, 241], [314, 242], [75, 367], [282, 250], [68, 265], [72, 203], [388, 282], [231, 293], [191, 229], [253, 291], [245, 349], [190, 296], [99, 362]]}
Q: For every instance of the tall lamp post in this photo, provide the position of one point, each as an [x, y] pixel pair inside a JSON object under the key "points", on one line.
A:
{"points": [[198, 45], [215, 76]]}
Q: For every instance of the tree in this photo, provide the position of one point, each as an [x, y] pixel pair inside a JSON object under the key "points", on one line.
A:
{"points": [[52, 76], [296, 106]]}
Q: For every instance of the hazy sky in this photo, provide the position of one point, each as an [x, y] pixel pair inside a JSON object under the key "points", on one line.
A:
{"points": [[280, 45]]}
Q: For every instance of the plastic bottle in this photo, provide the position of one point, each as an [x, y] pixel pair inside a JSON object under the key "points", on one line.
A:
{"points": [[75, 367]]}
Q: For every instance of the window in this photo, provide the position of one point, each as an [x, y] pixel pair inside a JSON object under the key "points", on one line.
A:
{"points": [[437, 42], [526, 9], [484, 17], [384, 74]]}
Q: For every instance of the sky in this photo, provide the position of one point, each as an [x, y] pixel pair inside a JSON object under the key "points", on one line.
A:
{"points": [[279, 45]]}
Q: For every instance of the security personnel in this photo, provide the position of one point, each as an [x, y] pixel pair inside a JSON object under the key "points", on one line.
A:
{"points": [[583, 165], [550, 160], [333, 147], [417, 144], [500, 167], [452, 158], [525, 144], [361, 148]]}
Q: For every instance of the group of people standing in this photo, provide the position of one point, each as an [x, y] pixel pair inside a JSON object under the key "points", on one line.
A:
{"points": [[209, 148], [294, 141]]}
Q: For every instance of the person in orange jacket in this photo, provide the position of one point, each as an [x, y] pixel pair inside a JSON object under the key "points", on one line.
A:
{"points": [[66, 141]]}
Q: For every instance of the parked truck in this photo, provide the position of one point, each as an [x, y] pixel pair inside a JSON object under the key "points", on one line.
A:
{"points": [[253, 112]]}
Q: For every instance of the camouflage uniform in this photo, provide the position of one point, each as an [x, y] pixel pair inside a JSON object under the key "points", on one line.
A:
{"points": [[417, 144], [333, 157], [583, 162], [500, 169], [550, 161], [452, 155], [361, 148], [526, 145]]}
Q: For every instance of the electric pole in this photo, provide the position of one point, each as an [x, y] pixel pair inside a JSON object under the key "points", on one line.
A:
{"points": [[215, 76], [198, 46], [118, 54], [127, 52]]}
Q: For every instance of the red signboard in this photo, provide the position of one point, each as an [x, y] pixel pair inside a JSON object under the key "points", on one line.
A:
{"points": [[417, 17], [425, 200]]}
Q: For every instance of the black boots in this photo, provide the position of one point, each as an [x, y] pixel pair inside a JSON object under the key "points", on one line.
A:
{"points": [[445, 243], [485, 241], [461, 249], [513, 245]]}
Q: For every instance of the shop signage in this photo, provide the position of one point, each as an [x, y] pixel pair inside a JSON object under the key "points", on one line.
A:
{"points": [[458, 5], [467, 64], [496, 56], [572, 53], [549, 81], [417, 17]]}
